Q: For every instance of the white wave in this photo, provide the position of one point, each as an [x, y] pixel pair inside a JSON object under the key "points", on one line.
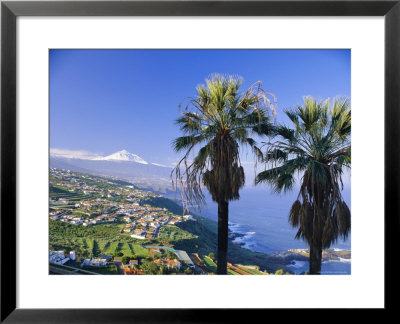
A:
{"points": [[246, 240], [344, 260], [341, 260], [236, 228], [297, 264]]}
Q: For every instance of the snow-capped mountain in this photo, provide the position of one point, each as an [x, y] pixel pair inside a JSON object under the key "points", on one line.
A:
{"points": [[123, 155], [122, 164]]}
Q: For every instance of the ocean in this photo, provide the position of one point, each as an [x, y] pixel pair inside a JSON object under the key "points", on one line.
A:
{"points": [[262, 217]]}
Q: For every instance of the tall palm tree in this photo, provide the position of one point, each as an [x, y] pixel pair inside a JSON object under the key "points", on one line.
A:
{"points": [[317, 149], [218, 120]]}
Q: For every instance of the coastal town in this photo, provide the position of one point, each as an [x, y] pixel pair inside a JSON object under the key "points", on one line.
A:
{"points": [[103, 225], [88, 202], [85, 200]]}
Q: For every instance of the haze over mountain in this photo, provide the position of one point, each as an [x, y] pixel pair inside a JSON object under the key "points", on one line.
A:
{"points": [[121, 164]]}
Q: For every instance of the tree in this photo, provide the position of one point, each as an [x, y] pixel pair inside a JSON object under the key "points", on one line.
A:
{"points": [[96, 249], [125, 259], [218, 120], [317, 148], [149, 267]]}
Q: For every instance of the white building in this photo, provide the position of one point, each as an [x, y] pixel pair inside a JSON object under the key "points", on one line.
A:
{"points": [[57, 257], [188, 217], [72, 255], [94, 262], [140, 237]]}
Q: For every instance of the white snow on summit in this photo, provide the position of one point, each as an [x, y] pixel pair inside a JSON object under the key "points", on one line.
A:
{"points": [[123, 155]]}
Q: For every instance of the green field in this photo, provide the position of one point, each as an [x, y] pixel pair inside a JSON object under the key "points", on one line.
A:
{"points": [[197, 236], [210, 264], [81, 239], [61, 192], [173, 233], [249, 270]]}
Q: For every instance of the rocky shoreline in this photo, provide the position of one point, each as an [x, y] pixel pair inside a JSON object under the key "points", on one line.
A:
{"points": [[303, 255], [232, 236]]}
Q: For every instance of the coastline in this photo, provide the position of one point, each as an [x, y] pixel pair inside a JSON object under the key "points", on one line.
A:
{"points": [[334, 260]]}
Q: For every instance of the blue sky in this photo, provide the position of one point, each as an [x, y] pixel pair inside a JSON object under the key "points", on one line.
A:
{"points": [[103, 101]]}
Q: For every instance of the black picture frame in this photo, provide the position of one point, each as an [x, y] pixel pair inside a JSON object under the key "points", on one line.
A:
{"points": [[10, 10]]}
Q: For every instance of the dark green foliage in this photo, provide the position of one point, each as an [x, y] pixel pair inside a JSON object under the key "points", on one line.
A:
{"points": [[173, 233], [96, 249], [107, 245], [318, 149], [84, 244], [109, 269], [118, 247], [149, 267], [125, 259], [216, 122], [162, 202]]}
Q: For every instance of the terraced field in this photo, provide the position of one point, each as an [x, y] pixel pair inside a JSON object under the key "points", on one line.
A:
{"points": [[236, 270], [128, 249], [210, 264], [250, 270], [232, 269], [59, 192]]}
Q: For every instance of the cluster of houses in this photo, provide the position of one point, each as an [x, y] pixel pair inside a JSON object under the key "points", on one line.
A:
{"points": [[67, 217], [142, 222], [96, 200], [97, 262], [132, 268], [168, 263], [100, 261]]}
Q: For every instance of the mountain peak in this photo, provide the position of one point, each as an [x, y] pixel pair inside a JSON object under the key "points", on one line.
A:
{"points": [[123, 155]]}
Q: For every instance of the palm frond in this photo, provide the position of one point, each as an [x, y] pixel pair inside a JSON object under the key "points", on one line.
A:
{"points": [[223, 117], [318, 147]]}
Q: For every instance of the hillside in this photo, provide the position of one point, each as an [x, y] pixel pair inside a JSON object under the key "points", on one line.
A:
{"points": [[205, 241], [94, 215]]}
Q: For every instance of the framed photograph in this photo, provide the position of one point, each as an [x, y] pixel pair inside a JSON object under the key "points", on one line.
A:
{"points": [[186, 161]]}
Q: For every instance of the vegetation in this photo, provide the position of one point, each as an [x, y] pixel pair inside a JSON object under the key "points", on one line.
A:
{"points": [[210, 264], [318, 148], [92, 241], [173, 233], [219, 119], [149, 267], [106, 270], [162, 202], [95, 249]]}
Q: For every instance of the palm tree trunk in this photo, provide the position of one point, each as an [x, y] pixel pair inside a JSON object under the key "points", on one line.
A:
{"points": [[315, 259], [222, 237]]}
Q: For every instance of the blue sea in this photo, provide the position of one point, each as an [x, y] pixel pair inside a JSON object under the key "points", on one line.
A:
{"points": [[262, 216]]}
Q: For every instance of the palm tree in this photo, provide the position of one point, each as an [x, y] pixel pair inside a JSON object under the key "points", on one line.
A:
{"points": [[218, 120], [317, 148]]}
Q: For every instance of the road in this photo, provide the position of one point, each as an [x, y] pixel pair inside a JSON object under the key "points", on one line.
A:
{"points": [[120, 267]]}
